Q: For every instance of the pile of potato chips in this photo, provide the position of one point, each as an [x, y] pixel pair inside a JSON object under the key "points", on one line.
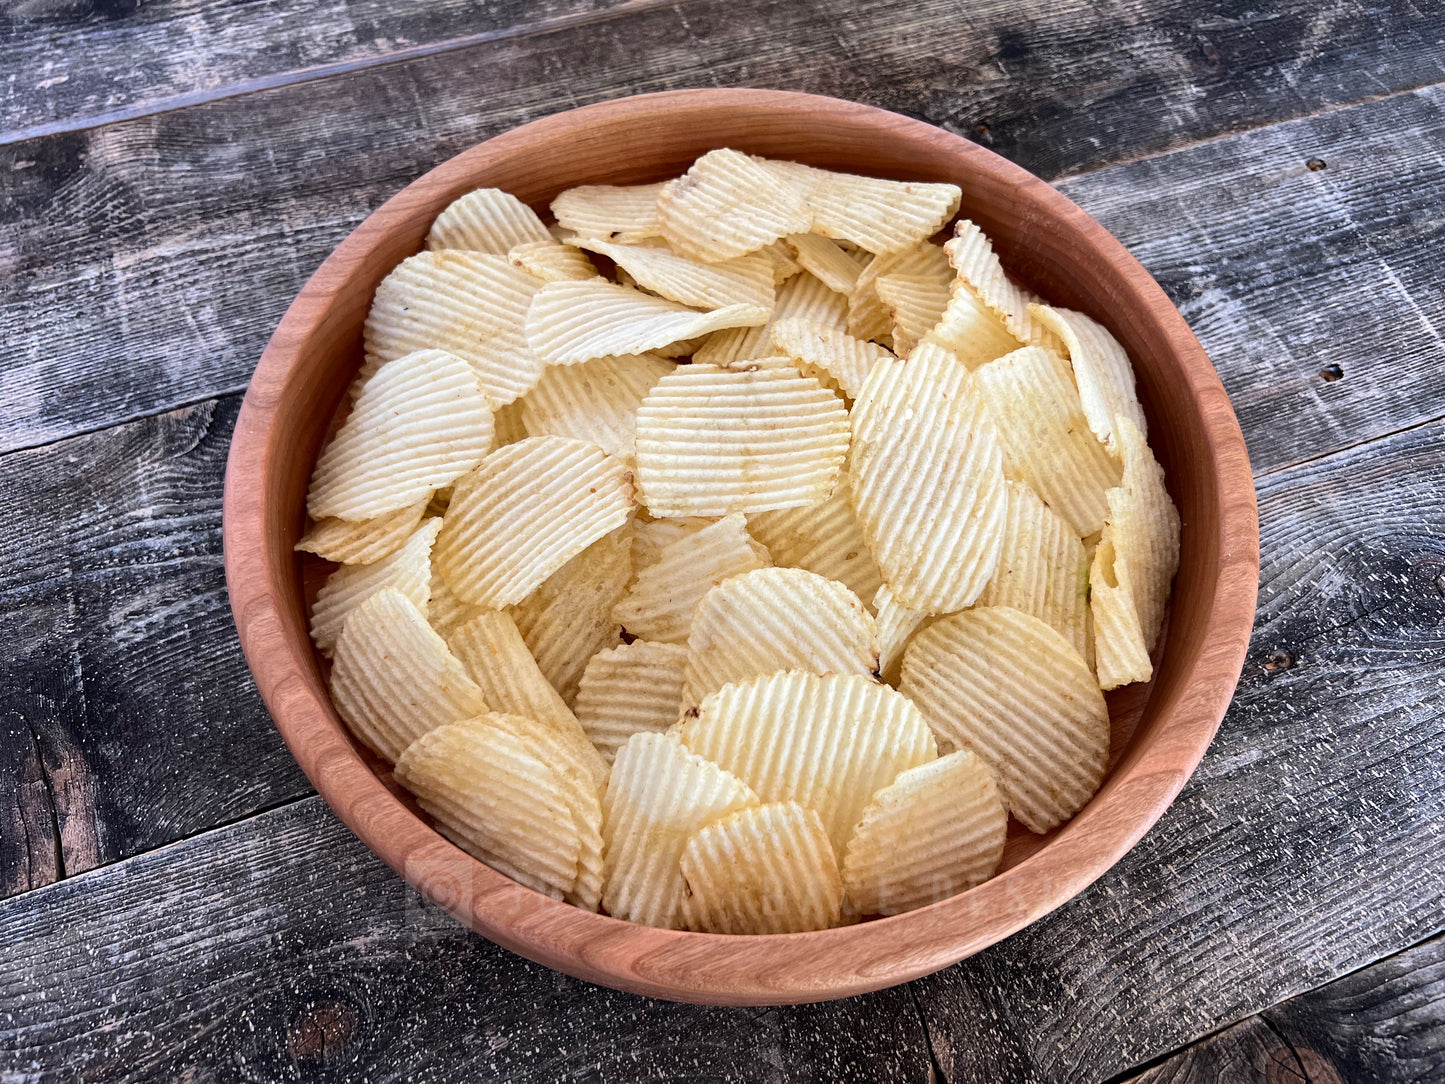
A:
{"points": [[729, 555]]}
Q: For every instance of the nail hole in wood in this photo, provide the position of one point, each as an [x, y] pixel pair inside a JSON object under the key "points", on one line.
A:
{"points": [[1315, 164], [1278, 660], [1330, 373]]}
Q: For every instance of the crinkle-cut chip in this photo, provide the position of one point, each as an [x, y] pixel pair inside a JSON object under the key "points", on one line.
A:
{"points": [[972, 256], [1047, 443], [490, 793], [1101, 370], [487, 220], [774, 619], [437, 506], [746, 280], [969, 330], [927, 481], [896, 624], [780, 257], [915, 304], [830, 742], [444, 611], [596, 400], [470, 304], [571, 322], [496, 657], [552, 261], [819, 349], [1041, 569], [822, 538], [728, 204], [1012, 689], [660, 603], [868, 317], [509, 427], [659, 794], [681, 349], [408, 570], [569, 618], [420, 423], [1120, 655], [630, 689], [393, 678], [879, 215], [1146, 529], [759, 870], [350, 542], [936, 830], [712, 441], [826, 261], [626, 214], [527, 510], [651, 537], [802, 297]]}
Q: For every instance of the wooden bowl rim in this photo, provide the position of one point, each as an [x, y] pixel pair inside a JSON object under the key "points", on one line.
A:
{"points": [[711, 968]]}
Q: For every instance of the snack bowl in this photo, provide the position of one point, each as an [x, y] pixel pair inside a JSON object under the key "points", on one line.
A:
{"points": [[1159, 730]]}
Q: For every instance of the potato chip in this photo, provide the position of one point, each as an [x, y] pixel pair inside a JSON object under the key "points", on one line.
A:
{"points": [[972, 256], [630, 689], [829, 743], [927, 481], [393, 678], [444, 611], [879, 215], [802, 297], [1041, 569], [818, 349], [969, 329], [651, 537], [659, 605], [822, 538], [408, 570], [915, 304], [1013, 690], [626, 214], [569, 618], [728, 204], [467, 303], [487, 220], [570, 322], [658, 796], [896, 624], [826, 261], [762, 869], [352, 542], [1120, 654], [552, 261], [936, 830], [1101, 370], [596, 400], [711, 441], [1047, 443], [524, 513], [746, 280], [776, 619], [420, 423], [868, 317], [780, 256], [497, 659]]}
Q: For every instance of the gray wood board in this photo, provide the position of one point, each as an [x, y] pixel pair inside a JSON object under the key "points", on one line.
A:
{"points": [[281, 949], [144, 264]]}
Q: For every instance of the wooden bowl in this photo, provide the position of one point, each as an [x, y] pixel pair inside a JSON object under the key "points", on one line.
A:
{"points": [[1160, 731]]}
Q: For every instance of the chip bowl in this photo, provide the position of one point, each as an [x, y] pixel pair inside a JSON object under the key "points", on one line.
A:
{"points": [[1159, 730]]}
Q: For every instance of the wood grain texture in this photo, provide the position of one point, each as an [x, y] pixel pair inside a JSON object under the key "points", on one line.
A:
{"points": [[281, 949], [144, 264]]}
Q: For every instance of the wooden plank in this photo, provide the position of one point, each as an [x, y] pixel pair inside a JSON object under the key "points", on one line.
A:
{"points": [[144, 264], [281, 949], [1383, 1022], [1305, 846]]}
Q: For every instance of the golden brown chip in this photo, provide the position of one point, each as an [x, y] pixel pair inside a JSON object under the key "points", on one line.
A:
{"points": [[628, 689]]}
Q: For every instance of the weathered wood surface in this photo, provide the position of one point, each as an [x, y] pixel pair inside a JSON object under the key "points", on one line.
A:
{"points": [[281, 949], [144, 264], [1383, 1022]]}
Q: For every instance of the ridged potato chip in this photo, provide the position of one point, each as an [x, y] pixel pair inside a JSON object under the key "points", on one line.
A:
{"points": [[352, 542], [896, 624], [1007, 686], [879, 215], [936, 830], [759, 870], [487, 220], [712, 441], [1041, 569], [630, 689], [418, 424], [626, 214], [571, 322], [868, 317], [527, 510], [508, 425], [729, 204], [780, 256], [972, 256], [467, 303], [915, 304], [393, 678], [659, 605], [408, 570], [746, 280], [822, 538], [802, 297], [969, 329], [1047, 443], [444, 611], [658, 796], [829, 743], [819, 349], [927, 481], [1101, 370], [825, 260], [775, 619], [650, 537], [596, 400], [1120, 654], [552, 261]]}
